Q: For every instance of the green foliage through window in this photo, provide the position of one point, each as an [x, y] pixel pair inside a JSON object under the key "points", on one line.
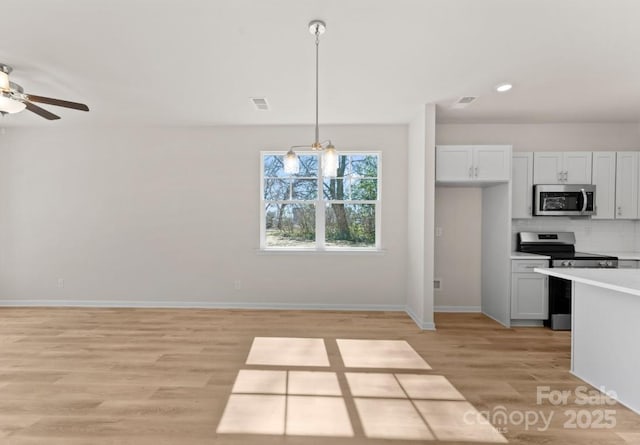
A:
{"points": [[348, 208]]}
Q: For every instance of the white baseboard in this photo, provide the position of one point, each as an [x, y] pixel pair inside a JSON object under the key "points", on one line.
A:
{"points": [[457, 309], [526, 323], [198, 305], [426, 326], [215, 305]]}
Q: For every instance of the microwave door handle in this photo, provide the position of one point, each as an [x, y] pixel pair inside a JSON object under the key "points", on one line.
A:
{"points": [[584, 200]]}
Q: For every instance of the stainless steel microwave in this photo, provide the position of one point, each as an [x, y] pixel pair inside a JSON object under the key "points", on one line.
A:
{"points": [[564, 200]]}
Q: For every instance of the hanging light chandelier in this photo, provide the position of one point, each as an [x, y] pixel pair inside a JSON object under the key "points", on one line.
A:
{"points": [[329, 152]]}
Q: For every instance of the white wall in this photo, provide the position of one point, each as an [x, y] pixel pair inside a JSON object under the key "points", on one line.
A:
{"points": [[416, 218], [420, 225], [458, 214], [170, 216], [590, 234], [545, 137]]}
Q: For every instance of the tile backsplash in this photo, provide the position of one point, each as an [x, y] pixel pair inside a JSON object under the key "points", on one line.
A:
{"points": [[592, 235]]}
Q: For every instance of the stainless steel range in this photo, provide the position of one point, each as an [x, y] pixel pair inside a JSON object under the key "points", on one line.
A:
{"points": [[560, 246]]}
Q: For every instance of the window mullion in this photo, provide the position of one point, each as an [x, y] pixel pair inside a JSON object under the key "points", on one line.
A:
{"points": [[320, 210]]}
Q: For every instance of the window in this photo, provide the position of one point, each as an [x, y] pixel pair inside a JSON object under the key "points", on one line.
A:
{"points": [[309, 211]]}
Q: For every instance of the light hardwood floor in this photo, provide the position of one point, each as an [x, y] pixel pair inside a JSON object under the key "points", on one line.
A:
{"points": [[154, 376]]}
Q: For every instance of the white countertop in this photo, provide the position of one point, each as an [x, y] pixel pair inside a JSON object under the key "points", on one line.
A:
{"points": [[529, 256], [621, 255], [620, 280]]}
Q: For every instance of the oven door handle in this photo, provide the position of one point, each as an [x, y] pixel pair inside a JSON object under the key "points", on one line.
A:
{"points": [[584, 200]]}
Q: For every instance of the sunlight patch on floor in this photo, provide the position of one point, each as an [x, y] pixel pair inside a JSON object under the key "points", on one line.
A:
{"points": [[457, 421], [396, 354], [253, 414], [254, 381], [318, 416], [374, 385], [432, 387], [282, 351], [314, 383], [391, 419], [389, 405]]}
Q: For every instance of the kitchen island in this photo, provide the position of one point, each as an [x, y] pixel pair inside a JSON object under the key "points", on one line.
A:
{"points": [[605, 323]]}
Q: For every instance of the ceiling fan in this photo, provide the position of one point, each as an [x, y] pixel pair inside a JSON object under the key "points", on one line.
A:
{"points": [[13, 99]]}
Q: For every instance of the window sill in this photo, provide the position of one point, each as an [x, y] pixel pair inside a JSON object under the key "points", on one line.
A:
{"points": [[374, 252]]}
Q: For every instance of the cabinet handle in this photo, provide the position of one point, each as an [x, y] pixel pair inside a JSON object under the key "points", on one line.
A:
{"points": [[619, 210], [559, 176], [529, 209], [476, 172], [471, 172]]}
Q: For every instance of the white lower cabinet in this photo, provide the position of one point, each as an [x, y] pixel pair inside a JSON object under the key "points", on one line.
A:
{"points": [[529, 290]]}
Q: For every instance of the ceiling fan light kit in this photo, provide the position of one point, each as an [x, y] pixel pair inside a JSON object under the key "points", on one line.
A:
{"points": [[329, 152], [13, 99]]}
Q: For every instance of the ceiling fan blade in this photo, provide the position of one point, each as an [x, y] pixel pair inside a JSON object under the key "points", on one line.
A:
{"points": [[57, 102], [41, 111]]}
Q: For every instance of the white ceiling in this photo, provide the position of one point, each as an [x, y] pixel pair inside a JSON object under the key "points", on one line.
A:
{"points": [[197, 62]]}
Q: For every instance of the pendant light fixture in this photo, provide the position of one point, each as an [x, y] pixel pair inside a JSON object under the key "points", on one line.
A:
{"points": [[329, 152], [7, 103]]}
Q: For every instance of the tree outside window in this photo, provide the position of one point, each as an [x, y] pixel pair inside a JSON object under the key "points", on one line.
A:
{"points": [[345, 215]]}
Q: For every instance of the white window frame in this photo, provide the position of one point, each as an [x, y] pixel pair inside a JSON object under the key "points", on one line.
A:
{"points": [[320, 207]]}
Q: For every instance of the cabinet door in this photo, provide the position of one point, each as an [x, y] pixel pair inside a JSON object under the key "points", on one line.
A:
{"points": [[492, 163], [547, 168], [454, 163], [626, 185], [521, 185], [604, 178], [529, 296], [577, 167]]}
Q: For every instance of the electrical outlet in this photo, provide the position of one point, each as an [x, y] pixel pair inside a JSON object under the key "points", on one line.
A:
{"points": [[237, 284], [60, 283], [437, 284], [438, 231]]}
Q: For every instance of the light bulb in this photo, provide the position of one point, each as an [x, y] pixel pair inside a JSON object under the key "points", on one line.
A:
{"points": [[291, 163], [8, 105], [330, 161], [4, 81]]}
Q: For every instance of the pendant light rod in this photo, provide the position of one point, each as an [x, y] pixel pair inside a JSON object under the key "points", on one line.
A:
{"points": [[317, 27], [317, 85]]}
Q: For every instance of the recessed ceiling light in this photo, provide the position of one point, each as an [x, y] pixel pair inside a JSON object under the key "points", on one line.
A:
{"points": [[504, 87]]}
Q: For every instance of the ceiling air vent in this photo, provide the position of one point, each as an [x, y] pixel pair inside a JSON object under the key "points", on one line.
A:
{"points": [[260, 103], [464, 101]]}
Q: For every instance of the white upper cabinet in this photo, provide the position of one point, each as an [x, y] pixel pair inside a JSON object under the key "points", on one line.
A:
{"points": [[626, 185], [454, 163], [473, 163], [492, 163], [577, 167], [547, 168], [521, 185], [604, 178], [570, 167]]}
